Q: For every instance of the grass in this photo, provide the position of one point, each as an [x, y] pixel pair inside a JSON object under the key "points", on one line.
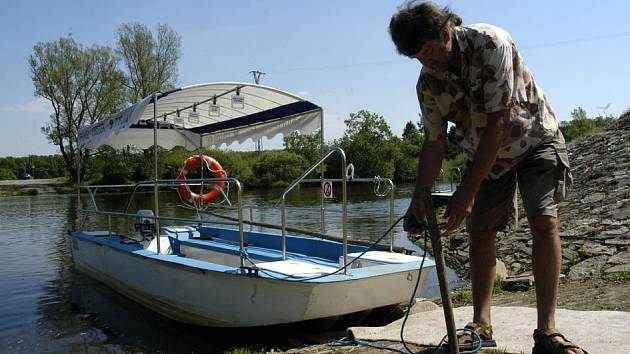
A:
{"points": [[619, 277], [499, 286], [463, 297]]}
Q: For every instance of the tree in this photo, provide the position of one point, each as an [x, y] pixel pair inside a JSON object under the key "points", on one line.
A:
{"points": [[410, 145], [150, 62], [308, 146], [370, 145], [82, 85]]}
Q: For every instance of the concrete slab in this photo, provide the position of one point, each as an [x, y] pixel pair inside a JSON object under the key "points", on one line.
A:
{"points": [[601, 332]]}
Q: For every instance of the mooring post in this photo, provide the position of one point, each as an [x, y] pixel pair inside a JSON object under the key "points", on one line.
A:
{"points": [[440, 265]]}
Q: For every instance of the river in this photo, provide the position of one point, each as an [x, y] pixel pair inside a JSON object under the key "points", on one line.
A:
{"points": [[46, 305]]}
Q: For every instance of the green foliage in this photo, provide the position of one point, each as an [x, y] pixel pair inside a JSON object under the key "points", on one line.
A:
{"points": [[305, 145], [51, 166], [370, 145], [499, 285], [410, 146], [449, 167], [83, 85], [619, 277], [276, 169], [581, 124], [6, 174], [150, 61], [461, 297]]}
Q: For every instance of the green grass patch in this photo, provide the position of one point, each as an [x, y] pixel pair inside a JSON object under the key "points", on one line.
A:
{"points": [[499, 286], [619, 277], [462, 297]]}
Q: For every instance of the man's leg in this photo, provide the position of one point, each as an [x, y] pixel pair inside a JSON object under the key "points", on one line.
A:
{"points": [[482, 273], [547, 260]]}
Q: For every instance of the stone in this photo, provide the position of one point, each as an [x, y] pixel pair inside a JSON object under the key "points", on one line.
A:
{"points": [[594, 197], [501, 270], [589, 268], [618, 269], [617, 242], [623, 214], [522, 283], [619, 258], [423, 306]]}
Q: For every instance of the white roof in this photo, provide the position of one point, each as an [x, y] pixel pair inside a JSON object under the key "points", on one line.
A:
{"points": [[210, 114]]}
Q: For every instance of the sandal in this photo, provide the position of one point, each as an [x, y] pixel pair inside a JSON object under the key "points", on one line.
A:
{"points": [[553, 343], [467, 341]]}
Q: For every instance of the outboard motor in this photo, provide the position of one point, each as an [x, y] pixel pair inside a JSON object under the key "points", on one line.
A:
{"points": [[145, 224]]}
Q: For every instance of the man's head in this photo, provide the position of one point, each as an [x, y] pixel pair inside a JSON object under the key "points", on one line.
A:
{"points": [[422, 30]]}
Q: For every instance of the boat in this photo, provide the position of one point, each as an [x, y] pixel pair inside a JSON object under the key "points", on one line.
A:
{"points": [[200, 271]]}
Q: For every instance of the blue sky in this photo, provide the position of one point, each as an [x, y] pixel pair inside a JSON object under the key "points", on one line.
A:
{"points": [[337, 53]]}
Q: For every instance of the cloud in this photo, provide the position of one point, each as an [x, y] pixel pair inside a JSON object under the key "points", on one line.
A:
{"points": [[38, 105]]}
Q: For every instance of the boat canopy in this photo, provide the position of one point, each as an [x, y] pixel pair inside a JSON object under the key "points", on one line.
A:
{"points": [[205, 115]]}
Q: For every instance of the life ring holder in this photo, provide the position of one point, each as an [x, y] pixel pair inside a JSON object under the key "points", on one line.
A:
{"points": [[184, 191]]}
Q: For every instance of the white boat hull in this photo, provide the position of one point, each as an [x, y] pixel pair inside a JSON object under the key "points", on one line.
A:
{"points": [[224, 299]]}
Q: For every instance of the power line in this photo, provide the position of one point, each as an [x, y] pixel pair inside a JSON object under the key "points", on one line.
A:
{"points": [[398, 61], [577, 40]]}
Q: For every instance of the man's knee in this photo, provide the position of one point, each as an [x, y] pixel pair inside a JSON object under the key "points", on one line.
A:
{"points": [[543, 224], [483, 237]]}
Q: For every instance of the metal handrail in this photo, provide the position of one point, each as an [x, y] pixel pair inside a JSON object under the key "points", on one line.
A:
{"points": [[171, 182], [344, 201]]}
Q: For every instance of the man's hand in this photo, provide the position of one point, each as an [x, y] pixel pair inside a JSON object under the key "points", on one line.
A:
{"points": [[459, 207], [414, 217]]}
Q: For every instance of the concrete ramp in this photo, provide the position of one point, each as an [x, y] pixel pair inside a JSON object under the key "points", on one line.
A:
{"points": [[599, 332]]}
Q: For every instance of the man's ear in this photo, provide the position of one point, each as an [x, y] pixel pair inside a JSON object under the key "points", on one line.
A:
{"points": [[445, 35]]}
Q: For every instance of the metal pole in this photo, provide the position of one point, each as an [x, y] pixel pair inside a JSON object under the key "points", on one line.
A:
{"points": [[440, 265], [321, 154], [109, 226], [284, 230], [79, 186], [391, 215], [344, 210], [201, 162], [155, 165], [240, 221], [251, 218]]}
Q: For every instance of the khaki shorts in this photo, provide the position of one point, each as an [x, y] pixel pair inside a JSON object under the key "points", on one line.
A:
{"points": [[543, 178]]}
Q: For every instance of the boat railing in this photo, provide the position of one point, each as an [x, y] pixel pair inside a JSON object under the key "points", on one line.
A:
{"points": [[455, 177], [347, 174], [92, 189]]}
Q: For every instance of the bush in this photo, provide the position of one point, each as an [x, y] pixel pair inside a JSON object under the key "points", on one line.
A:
{"points": [[6, 174], [278, 168]]}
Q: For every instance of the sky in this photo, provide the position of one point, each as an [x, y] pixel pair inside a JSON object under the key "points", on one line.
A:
{"points": [[337, 54]]}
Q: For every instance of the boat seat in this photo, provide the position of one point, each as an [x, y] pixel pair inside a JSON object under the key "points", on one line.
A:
{"points": [[296, 268], [165, 245]]}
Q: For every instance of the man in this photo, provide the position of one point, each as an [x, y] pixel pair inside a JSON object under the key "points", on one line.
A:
{"points": [[474, 77]]}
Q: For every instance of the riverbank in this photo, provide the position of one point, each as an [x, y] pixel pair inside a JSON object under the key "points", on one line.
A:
{"points": [[36, 186]]}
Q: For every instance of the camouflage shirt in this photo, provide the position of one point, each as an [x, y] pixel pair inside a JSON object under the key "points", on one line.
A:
{"points": [[493, 78]]}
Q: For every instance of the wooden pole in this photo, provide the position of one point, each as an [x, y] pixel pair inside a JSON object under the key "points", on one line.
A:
{"points": [[453, 345]]}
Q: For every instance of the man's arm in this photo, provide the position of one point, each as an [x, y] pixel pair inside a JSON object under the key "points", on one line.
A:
{"points": [[429, 165], [460, 205]]}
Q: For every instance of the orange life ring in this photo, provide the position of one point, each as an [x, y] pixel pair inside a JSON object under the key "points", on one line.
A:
{"points": [[184, 190]]}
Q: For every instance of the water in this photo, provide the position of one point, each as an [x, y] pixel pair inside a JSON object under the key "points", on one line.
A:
{"points": [[46, 305]]}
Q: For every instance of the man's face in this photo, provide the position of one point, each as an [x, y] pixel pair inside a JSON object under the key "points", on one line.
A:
{"points": [[435, 54]]}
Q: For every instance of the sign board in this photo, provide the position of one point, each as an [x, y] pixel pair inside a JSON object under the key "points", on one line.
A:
{"points": [[327, 189]]}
